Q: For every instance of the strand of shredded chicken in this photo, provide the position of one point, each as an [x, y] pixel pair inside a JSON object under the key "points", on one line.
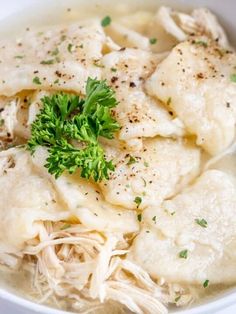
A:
{"points": [[89, 267]]}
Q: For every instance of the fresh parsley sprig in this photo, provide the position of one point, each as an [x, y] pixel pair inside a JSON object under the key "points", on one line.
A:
{"points": [[64, 118]]}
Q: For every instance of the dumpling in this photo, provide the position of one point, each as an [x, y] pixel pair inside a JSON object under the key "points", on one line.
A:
{"points": [[138, 114], [85, 201], [25, 199], [195, 82], [192, 237], [59, 58], [156, 172]]}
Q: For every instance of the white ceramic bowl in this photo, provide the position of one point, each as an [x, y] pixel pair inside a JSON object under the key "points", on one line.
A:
{"points": [[11, 17]]}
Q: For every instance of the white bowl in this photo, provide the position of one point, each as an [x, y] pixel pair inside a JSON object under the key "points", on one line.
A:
{"points": [[12, 19]]}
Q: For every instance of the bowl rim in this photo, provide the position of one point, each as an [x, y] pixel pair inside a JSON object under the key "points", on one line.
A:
{"points": [[218, 304]]}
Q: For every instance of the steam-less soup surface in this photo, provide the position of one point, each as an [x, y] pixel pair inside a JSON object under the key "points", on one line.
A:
{"points": [[117, 172]]}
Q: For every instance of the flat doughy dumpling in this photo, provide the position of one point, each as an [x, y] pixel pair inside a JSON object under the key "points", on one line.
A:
{"points": [[61, 58], [85, 201], [153, 174], [200, 223], [138, 114], [195, 82], [32, 197], [25, 199]]}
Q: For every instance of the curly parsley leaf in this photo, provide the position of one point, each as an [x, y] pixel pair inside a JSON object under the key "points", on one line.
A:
{"points": [[66, 117]]}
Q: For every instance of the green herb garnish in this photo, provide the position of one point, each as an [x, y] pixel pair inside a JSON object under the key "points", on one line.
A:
{"points": [[131, 161], [152, 41], [66, 117], [138, 201], [139, 217], [183, 254], [50, 61], [233, 78], [19, 57], [201, 43], [106, 21], [206, 283], [69, 48], [36, 80], [201, 222]]}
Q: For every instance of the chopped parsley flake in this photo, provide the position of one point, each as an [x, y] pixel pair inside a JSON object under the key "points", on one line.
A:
{"points": [[36, 80], [183, 254], [50, 61], [152, 41], [201, 43], [172, 214], [177, 298], [201, 222], [2, 122], [81, 46], [138, 201], [19, 57], [70, 47], [233, 78], [56, 81], [131, 161], [146, 164], [139, 217], [206, 283], [113, 70], [106, 21]]}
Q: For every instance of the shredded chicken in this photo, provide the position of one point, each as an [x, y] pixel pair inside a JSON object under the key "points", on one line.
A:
{"points": [[92, 265], [199, 22]]}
